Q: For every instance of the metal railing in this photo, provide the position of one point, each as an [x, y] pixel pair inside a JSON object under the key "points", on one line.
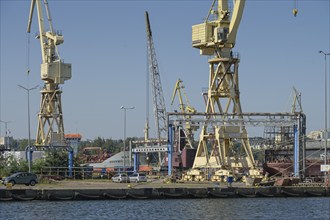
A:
{"points": [[75, 173]]}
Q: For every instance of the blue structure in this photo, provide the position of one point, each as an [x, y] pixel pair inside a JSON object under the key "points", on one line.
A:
{"points": [[73, 140], [28, 156], [29, 153], [296, 150], [170, 149], [70, 161], [136, 162]]}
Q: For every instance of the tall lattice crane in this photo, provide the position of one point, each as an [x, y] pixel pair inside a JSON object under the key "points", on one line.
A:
{"points": [[53, 72], [157, 96], [157, 91], [216, 38]]}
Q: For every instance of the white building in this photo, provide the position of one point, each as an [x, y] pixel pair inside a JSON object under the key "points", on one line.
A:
{"points": [[116, 161], [18, 155]]}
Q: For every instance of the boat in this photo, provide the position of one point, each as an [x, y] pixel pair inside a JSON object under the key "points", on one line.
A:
{"points": [[285, 168]]}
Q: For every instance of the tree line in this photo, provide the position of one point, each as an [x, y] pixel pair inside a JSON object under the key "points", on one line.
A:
{"points": [[108, 144], [55, 158]]}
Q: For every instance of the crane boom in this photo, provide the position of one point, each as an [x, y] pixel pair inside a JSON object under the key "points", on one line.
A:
{"points": [[52, 68], [296, 105], [30, 15], [235, 21], [189, 127], [179, 89], [157, 91]]}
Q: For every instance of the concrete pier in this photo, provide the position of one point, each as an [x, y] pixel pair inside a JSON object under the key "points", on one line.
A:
{"points": [[81, 190]]}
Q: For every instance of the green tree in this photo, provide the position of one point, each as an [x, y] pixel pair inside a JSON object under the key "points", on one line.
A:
{"points": [[38, 164], [99, 142], [10, 165], [56, 158], [22, 144], [259, 155]]}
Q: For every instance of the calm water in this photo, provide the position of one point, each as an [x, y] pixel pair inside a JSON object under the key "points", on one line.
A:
{"points": [[245, 208]]}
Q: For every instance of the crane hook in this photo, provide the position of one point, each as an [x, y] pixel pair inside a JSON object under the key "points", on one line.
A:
{"points": [[295, 12], [295, 8]]}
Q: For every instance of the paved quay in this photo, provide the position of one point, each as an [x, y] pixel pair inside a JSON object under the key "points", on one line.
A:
{"points": [[155, 189]]}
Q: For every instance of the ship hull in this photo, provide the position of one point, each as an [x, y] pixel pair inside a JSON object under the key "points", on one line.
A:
{"points": [[313, 169]]}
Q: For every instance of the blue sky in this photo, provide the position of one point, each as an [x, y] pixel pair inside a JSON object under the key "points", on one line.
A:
{"points": [[106, 43]]}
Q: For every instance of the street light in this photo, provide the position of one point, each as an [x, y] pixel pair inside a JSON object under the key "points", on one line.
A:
{"points": [[29, 138], [6, 132], [125, 109], [325, 108], [325, 122]]}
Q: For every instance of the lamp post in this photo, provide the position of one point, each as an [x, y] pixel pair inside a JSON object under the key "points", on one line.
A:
{"points": [[6, 132], [325, 108], [29, 130], [125, 109]]}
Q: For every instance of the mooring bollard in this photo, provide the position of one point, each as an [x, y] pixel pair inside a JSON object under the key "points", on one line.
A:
{"points": [[9, 185]]}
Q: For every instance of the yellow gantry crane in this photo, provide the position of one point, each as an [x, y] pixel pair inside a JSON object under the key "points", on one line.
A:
{"points": [[185, 108], [216, 37], [53, 72]]}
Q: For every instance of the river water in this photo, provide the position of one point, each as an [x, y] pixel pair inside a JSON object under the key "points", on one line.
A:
{"points": [[237, 208]]}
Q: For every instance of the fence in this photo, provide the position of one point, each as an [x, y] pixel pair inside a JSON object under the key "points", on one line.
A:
{"points": [[60, 173]]}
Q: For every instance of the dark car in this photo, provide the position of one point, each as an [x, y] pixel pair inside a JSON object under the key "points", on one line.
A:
{"points": [[21, 178]]}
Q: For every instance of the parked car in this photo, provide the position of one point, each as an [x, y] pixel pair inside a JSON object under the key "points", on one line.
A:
{"points": [[120, 178], [138, 177], [21, 178]]}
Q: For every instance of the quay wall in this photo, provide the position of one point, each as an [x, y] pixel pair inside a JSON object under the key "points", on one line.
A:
{"points": [[159, 193]]}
